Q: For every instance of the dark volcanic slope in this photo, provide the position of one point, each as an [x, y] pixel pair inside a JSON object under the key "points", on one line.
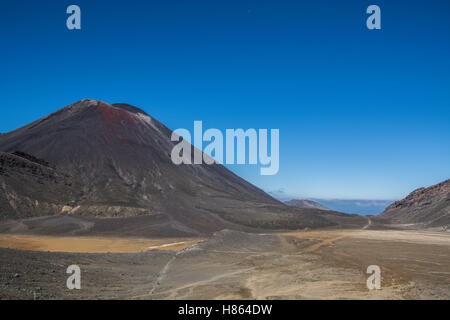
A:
{"points": [[118, 157], [305, 204], [28, 187], [429, 206]]}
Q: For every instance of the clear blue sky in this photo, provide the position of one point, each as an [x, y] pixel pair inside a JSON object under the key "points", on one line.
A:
{"points": [[362, 114]]}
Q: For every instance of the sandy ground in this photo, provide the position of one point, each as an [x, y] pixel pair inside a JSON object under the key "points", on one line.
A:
{"points": [[237, 265], [93, 244]]}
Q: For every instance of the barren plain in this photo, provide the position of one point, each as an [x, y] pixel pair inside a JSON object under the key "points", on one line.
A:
{"points": [[325, 264]]}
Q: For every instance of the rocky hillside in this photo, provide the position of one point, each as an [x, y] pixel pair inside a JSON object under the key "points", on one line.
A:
{"points": [[429, 207], [28, 187]]}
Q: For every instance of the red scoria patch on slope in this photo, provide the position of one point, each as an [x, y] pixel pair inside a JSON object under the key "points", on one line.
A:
{"points": [[116, 119]]}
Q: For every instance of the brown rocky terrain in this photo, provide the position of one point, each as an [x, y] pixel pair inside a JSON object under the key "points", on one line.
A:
{"points": [[425, 207], [237, 265]]}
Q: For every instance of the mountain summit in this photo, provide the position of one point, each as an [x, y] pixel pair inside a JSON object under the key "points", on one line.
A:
{"points": [[116, 159]]}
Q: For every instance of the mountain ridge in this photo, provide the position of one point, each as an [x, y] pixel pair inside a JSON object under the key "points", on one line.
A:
{"points": [[303, 203], [427, 206]]}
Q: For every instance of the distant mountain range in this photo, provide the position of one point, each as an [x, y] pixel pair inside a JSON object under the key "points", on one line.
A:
{"points": [[353, 206], [359, 206], [96, 168]]}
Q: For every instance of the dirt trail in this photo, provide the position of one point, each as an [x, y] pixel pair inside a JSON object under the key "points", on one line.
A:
{"points": [[326, 242], [369, 223]]}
